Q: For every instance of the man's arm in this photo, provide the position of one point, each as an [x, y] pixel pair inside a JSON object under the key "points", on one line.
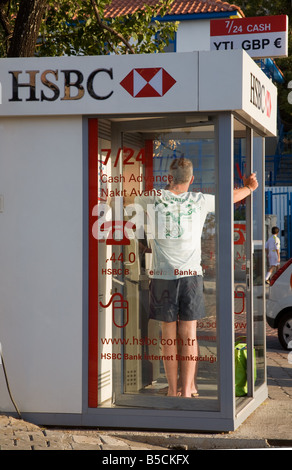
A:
{"points": [[250, 185]]}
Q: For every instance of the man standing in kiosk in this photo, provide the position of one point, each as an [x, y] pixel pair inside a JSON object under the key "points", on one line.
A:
{"points": [[176, 218]]}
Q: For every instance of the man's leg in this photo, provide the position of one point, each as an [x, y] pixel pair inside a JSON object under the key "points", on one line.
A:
{"points": [[269, 274], [169, 349], [189, 351], [273, 262]]}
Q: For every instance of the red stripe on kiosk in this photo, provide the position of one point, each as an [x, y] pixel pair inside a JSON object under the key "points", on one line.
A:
{"points": [[93, 266], [149, 165]]}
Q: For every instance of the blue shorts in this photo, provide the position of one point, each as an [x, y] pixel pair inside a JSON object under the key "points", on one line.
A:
{"points": [[177, 299]]}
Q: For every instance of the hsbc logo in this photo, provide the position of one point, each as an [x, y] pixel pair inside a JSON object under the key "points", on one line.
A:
{"points": [[71, 84], [63, 85], [148, 82], [259, 96], [268, 103]]}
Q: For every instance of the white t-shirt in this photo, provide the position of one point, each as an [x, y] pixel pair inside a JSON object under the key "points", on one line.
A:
{"points": [[273, 243], [273, 246], [174, 229]]}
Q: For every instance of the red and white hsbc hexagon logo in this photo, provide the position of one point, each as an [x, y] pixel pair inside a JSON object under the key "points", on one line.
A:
{"points": [[268, 102], [148, 82]]}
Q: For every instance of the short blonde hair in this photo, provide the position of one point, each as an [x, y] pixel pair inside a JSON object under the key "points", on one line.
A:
{"points": [[181, 170]]}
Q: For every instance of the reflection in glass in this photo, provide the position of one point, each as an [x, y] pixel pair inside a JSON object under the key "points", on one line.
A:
{"points": [[241, 256], [137, 351]]}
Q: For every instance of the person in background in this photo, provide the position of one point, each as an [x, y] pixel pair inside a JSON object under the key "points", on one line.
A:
{"points": [[273, 253]]}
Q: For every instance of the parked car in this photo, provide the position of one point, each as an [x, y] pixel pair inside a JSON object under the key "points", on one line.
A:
{"points": [[279, 304]]}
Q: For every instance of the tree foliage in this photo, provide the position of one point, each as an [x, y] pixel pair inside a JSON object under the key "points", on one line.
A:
{"points": [[78, 27]]}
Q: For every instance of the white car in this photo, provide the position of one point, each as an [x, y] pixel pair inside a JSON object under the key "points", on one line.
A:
{"points": [[279, 304]]}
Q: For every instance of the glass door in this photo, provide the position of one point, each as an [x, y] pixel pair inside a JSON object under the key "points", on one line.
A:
{"points": [[259, 308], [249, 321], [159, 340], [242, 259]]}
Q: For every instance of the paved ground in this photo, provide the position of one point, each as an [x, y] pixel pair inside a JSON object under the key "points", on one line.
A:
{"points": [[268, 427]]}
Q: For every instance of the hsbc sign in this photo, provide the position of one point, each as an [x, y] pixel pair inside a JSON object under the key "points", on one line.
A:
{"points": [[149, 84], [259, 96], [99, 84], [70, 84], [51, 85]]}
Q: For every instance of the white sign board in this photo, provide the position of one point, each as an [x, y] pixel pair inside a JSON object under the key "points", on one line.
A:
{"points": [[101, 85], [262, 36], [137, 84], [232, 80]]}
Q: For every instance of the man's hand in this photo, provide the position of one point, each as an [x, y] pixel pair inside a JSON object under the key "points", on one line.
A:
{"points": [[251, 181], [250, 184]]}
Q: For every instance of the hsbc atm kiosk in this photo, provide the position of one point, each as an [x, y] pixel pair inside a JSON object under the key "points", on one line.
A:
{"points": [[80, 138]]}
